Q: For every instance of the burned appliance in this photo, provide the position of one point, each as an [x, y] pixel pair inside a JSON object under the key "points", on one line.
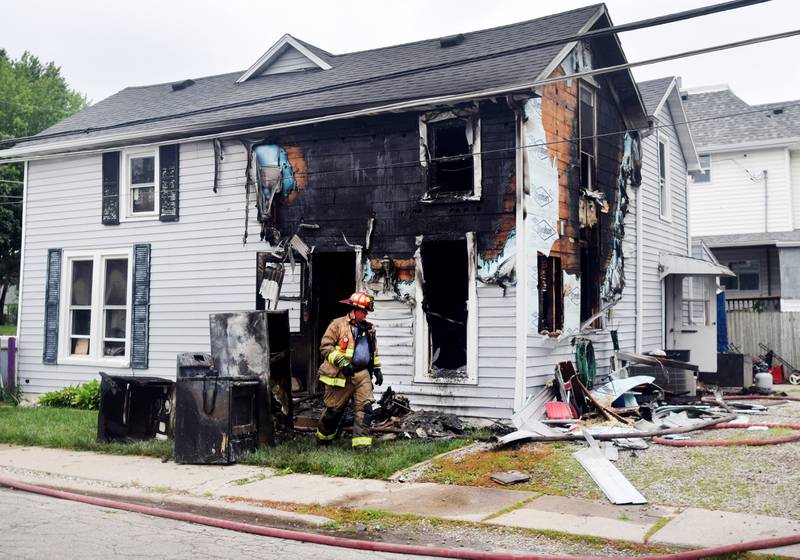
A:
{"points": [[216, 417], [133, 408]]}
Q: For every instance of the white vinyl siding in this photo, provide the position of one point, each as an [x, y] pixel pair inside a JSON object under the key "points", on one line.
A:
{"points": [[290, 60], [734, 200]]}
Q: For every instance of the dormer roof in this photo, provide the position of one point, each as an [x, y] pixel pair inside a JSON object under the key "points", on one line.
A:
{"points": [[288, 54]]}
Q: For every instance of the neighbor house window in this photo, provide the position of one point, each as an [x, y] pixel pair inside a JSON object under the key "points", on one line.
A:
{"points": [[141, 183], [747, 279], [664, 194], [450, 154], [98, 298], [703, 176], [587, 124]]}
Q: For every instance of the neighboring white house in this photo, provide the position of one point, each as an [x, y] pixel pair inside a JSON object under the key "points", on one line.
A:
{"points": [[745, 204], [425, 167]]}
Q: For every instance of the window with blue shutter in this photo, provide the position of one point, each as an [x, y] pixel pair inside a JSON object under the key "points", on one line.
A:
{"points": [[169, 199], [51, 303], [140, 316], [110, 205]]}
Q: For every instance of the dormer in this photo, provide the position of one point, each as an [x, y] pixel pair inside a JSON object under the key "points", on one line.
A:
{"points": [[287, 55]]}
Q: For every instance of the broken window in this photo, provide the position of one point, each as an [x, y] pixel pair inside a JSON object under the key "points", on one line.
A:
{"points": [[281, 286], [591, 272], [451, 154], [551, 299], [586, 129], [445, 296], [663, 177]]}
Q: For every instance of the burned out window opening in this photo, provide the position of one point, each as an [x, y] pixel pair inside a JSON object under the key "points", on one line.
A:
{"points": [[591, 273], [587, 125], [446, 311], [140, 183], [450, 155], [664, 194], [551, 296]]}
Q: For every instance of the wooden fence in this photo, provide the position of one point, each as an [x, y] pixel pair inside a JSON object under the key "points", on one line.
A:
{"points": [[779, 331]]}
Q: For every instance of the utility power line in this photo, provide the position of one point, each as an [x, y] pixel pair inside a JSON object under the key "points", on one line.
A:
{"points": [[641, 24]]}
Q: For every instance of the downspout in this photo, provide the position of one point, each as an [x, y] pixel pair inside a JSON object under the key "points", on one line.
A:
{"points": [[522, 271], [766, 201], [639, 281]]}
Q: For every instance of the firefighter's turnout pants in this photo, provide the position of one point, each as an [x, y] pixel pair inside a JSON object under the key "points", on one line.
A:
{"points": [[359, 387]]}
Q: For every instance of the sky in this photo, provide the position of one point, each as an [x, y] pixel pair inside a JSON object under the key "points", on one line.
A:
{"points": [[105, 46]]}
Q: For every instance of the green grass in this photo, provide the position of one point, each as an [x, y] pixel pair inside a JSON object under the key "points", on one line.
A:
{"points": [[300, 454], [8, 330], [68, 429], [77, 429]]}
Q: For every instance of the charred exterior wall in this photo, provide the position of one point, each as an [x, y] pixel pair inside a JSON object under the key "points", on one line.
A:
{"points": [[369, 168]]}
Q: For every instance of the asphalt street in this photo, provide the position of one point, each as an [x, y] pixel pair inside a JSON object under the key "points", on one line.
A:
{"points": [[39, 527]]}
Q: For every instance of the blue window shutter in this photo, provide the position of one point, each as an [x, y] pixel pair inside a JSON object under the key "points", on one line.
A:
{"points": [[51, 300], [110, 206], [140, 316], [169, 198]]}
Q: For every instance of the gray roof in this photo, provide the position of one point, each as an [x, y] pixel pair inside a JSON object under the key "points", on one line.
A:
{"points": [[653, 91], [356, 80], [749, 123], [763, 238]]}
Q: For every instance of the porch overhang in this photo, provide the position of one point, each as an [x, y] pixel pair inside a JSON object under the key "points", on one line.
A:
{"points": [[687, 266]]}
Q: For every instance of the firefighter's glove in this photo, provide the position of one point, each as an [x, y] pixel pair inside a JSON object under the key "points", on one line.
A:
{"points": [[378, 376], [345, 367]]}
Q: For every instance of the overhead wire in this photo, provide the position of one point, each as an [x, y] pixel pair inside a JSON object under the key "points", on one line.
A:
{"points": [[416, 162], [641, 24]]}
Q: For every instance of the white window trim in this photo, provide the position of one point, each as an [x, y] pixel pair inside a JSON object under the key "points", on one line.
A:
{"points": [[473, 120], [126, 214], [665, 202], [422, 347], [97, 325], [591, 87]]}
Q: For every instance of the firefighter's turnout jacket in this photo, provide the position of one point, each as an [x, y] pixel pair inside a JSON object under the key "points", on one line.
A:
{"points": [[339, 341]]}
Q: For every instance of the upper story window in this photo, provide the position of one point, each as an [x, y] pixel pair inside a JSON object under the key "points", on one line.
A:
{"points": [[140, 185], [664, 192], [703, 176], [587, 125], [450, 148], [97, 298]]}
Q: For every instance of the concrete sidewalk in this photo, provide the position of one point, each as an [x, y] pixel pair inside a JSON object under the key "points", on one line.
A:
{"points": [[217, 488]]}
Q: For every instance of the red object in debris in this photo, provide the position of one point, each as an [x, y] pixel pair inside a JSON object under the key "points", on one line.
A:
{"points": [[556, 410], [777, 374]]}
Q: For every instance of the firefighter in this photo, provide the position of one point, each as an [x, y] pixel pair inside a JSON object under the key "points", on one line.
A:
{"points": [[350, 359]]}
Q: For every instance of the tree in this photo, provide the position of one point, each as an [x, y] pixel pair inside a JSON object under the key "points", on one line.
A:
{"points": [[33, 97]]}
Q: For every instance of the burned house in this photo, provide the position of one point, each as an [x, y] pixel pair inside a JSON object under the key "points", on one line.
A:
{"points": [[480, 185]]}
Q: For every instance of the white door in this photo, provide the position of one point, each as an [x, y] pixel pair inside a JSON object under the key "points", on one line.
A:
{"points": [[691, 317]]}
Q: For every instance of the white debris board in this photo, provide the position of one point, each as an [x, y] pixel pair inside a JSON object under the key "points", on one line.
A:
{"points": [[613, 483]]}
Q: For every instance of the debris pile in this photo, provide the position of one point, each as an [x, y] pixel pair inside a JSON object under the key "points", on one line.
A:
{"points": [[646, 399], [392, 416]]}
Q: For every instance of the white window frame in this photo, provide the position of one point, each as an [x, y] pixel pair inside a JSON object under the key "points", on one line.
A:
{"points": [[97, 325], [704, 175], [474, 121], [126, 200], [422, 339], [665, 192]]}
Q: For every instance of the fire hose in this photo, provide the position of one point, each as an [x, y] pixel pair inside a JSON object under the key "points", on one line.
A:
{"points": [[729, 443], [357, 544]]}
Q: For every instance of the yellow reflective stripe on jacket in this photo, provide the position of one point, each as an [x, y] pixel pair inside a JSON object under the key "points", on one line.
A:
{"points": [[332, 381], [336, 354], [323, 437], [376, 361], [362, 441]]}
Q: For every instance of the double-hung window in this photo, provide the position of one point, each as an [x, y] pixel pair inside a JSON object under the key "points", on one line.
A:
{"points": [[97, 298], [141, 183], [587, 124], [664, 193]]}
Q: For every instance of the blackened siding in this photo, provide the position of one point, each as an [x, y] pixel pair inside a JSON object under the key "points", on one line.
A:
{"points": [[371, 169]]}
